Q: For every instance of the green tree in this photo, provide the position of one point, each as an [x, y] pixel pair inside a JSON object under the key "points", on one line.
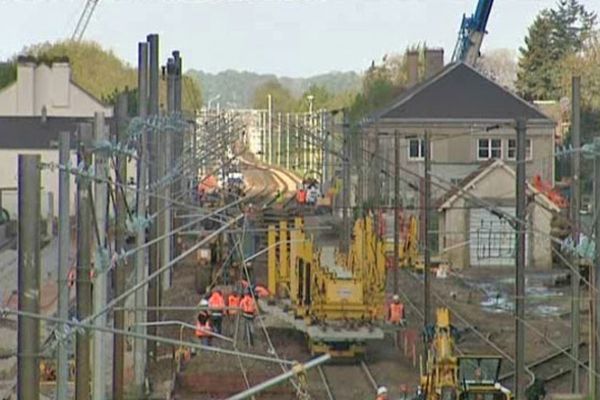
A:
{"points": [[554, 35], [8, 73], [573, 25], [282, 99], [100, 72], [321, 97]]}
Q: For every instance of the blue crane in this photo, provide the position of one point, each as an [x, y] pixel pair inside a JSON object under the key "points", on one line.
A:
{"points": [[472, 30]]}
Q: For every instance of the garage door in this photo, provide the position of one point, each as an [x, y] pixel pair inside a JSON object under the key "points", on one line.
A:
{"points": [[492, 239]]}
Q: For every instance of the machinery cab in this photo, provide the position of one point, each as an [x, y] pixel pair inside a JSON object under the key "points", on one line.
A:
{"points": [[478, 378], [451, 377]]}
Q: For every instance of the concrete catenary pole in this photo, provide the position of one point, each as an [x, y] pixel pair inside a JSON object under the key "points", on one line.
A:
{"points": [[120, 233], [396, 210], [100, 339], [595, 381], [141, 270], [521, 227], [346, 189], [83, 283], [287, 140], [269, 129], [169, 142], [29, 195], [298, 145], [64, 251], [279, 147], [153, 177], [427, 229], [575, 207]]}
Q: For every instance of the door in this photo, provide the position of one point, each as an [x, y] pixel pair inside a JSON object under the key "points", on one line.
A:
{"points": [[492, 239]]}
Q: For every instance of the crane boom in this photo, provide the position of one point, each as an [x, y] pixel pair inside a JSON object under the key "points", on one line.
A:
{"points": [[84, 19], [472, 30]]}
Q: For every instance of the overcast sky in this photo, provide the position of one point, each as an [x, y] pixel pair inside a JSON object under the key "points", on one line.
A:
{"points": [[294, 38]]}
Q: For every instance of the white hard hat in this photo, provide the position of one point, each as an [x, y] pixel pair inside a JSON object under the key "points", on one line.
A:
{"points": [[203, 303], [382, 390], [396, 297]]}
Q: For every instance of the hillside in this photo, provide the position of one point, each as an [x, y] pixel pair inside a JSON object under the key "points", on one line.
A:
{"points": [[97, 70], [237, 88]]}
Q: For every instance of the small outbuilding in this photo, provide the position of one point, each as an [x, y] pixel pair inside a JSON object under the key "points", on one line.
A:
{"points": [[473, 231]]}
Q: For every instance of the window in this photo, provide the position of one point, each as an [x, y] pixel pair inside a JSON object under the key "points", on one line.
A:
{"points": [[416, 149], [489, 148], [512, 150]]}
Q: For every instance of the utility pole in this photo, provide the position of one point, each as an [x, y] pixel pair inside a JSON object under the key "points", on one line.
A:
{"points": [[153, 177], [311, 132], [83, 283], [521, 227], [120, 231], [375, 188], [298, 144], [396, 210], [576, 206], [28, 371], [169, 142], [427, 244], [287, 140], [346, 185], [100, 257], [270, 129], [64, 251], [595, 356], [279, 147], [141, 270]]}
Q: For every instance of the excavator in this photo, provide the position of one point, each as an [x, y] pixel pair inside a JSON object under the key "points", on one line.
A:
{"points": [[447, 376]]}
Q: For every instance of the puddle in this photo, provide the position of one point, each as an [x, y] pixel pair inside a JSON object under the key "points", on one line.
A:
{"points": [[541, 300]]}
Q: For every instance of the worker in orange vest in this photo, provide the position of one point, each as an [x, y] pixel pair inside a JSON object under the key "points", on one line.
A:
{"points": [[233, 303], [203, 326], [216, 307], [382, 393], [396, 311], [248, 306]]}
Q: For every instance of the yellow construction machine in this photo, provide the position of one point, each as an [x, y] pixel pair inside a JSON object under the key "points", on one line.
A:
{"points": [[450, 377], [335, 298], [409, 255]]}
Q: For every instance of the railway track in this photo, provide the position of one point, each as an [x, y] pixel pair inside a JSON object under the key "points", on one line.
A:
{"points": [[552, 367], [350, 375]]}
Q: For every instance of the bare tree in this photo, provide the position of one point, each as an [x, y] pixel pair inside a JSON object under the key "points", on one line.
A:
{"points": [[499, 65]]}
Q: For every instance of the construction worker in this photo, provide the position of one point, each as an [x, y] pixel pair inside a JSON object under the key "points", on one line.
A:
{"points": [[382, 393], [396, 311], [203, 326], [233, 302], [248, 306], [216, 306]]}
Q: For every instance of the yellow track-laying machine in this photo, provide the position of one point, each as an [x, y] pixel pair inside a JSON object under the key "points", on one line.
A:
{"points": [[336, 299]]}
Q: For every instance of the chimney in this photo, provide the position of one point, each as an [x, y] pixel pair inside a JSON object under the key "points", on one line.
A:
{"points": [[25, 86], [60, 84], [412, 61], [434, 61]]}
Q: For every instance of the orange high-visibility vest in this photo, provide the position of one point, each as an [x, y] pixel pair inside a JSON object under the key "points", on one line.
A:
{"points": [[248, 306], [261, 291], [216, 303], [396, 312], [233, 301], [203, 330]]}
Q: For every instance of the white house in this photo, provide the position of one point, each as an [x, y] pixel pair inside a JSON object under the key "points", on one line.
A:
{"points": [[49, 89], [34, 109]]}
